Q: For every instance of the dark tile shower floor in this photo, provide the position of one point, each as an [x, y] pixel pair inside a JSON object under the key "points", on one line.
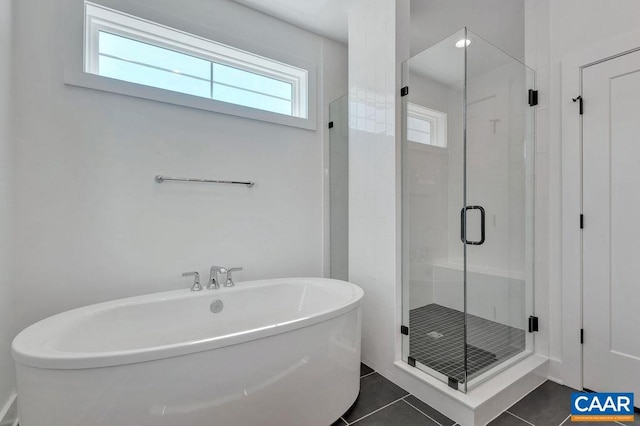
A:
{"points": [[437, 341]]}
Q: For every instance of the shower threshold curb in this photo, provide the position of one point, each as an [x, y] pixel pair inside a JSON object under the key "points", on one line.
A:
{"points": [[486, 400]]}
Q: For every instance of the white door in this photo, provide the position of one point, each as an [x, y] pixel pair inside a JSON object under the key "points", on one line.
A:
{"points": [[611, 234]]}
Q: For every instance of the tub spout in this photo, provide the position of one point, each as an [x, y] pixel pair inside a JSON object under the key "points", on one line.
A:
{"points": [[214, 284]]}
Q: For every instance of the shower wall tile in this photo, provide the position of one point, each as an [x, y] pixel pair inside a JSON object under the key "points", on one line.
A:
{"points": [[372, 173]]}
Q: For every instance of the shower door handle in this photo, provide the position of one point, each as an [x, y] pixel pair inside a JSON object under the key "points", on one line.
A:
{"points": [[463, 219]]}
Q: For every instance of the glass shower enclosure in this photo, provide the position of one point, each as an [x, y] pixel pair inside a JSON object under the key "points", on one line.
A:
{"points": [[467, 210]]}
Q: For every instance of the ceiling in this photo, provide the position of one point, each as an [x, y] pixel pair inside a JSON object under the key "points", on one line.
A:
{"points": [[325, 17], [444, 63], [499, 21]]}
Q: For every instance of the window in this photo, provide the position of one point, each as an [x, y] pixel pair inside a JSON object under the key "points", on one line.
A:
{"points": [[127, 48], [426, 126]]}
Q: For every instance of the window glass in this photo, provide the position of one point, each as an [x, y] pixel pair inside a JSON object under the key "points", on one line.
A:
{"points": [[426, 126], [250, 81], [123, 47], [252, 99], [141, 74], [143, 53]]}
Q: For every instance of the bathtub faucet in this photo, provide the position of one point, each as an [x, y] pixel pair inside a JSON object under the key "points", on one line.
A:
{"points": [[196, 280], [214, 284]]}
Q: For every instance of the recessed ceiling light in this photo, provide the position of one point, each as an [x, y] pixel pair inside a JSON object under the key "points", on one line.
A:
{"points": [[462, 43]]}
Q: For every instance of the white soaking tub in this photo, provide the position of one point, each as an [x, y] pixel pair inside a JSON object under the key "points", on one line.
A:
{"points": [[282, 352]]}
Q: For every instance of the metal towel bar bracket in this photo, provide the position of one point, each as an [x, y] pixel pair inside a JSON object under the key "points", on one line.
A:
{"points": [[161, 179]]}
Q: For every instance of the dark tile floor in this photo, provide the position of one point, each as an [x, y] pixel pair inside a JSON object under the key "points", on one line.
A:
{"points": [[548, 405], [382, 403]]}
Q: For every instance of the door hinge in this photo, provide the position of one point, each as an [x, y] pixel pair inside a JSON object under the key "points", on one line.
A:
{"points": [[404, 91], [404, 330], [331, 124], [411, 361], [533, 97], [581, 221], [582, 336], [581, 103], [533, 324]]}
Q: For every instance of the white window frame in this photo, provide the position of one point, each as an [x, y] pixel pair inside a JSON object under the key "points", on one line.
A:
{"points": [[98, 18], [437, 119]]}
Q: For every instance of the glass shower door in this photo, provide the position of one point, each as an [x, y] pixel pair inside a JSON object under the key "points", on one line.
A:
{"points": [[339, 188], [499, 207], [432, 195], [467, 210]]}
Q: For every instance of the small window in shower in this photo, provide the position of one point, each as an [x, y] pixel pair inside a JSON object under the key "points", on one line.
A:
{"points": [[426, 126]]}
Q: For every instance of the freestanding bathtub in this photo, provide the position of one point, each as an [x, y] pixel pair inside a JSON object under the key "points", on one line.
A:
{"points": [[281, 352]]}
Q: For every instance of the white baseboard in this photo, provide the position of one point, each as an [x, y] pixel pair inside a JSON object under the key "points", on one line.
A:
{"points": [[9, 413]]}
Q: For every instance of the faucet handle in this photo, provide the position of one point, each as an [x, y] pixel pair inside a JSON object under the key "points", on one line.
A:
{"points": [[196, 280], [213, 277], [230, 282]]}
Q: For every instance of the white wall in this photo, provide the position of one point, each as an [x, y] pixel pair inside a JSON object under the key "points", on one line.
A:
{"points": [[92, 225], [6, 199], [554, 30]]}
